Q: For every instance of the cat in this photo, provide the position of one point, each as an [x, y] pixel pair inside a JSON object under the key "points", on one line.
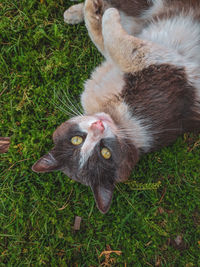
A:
{"points": [[142, 97]]}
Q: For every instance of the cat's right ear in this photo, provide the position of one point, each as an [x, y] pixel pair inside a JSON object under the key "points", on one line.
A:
{"points": [[46, 164]]}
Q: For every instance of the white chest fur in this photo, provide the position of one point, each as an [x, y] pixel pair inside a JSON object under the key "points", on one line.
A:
{"points": [[106, 81]]}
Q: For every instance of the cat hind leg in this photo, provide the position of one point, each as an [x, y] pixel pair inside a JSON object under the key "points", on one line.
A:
{"points": [[93, 12]]}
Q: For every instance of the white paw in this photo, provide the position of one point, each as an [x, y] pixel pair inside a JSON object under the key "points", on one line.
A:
{"points": [[74, 14], [110, 15]]}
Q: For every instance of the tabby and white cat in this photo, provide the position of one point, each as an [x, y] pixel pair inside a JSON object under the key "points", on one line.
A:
{"points": [[142, 97]]}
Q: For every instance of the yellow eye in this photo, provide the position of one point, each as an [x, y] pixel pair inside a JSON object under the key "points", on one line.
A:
{"points": [[105, 153], [77, 140]]}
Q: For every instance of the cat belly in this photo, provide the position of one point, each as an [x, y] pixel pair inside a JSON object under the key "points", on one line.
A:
{"points": [[179, 33], [105, 83]]}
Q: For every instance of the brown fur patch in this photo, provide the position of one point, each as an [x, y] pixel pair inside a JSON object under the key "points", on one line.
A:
{"points": [[132, 8], [161, 95], [177, 7], [172, 7]]}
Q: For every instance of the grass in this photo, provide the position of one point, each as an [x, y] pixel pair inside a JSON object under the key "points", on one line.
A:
{"points": [[40, 55]]}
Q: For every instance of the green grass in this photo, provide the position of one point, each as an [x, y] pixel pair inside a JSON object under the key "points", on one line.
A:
{"points": [[40, 55]]}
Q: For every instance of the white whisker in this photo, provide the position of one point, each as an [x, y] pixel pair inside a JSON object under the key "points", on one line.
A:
{"points": [[68, 107], [73, 106], [77, 105], [62, 109]]}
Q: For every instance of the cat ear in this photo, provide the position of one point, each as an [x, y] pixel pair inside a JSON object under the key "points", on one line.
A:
{"points": [[46, 164], [103, 196]]}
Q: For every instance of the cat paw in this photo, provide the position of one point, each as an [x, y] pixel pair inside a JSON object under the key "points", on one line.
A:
{"points": [[74, 14], [94, 8], [111, 15]]}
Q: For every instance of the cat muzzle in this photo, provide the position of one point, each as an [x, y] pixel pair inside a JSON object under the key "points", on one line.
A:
{"points": [[97, 127]]}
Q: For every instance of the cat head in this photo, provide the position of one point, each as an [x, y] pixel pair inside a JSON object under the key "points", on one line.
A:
{"points": [[89, 150]]}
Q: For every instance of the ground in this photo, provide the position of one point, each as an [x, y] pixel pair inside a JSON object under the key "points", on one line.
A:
{"points": [[154, 219]]}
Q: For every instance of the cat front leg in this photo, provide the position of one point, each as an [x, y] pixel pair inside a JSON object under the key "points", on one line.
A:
{"points": [[74, 14]]}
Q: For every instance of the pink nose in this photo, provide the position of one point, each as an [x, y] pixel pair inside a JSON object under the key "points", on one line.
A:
{"points": [[97, 127]]}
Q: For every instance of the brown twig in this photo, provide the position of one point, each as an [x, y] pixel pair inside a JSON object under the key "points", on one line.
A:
{"points": [[163, 194], [66, 203], [3, 91]]}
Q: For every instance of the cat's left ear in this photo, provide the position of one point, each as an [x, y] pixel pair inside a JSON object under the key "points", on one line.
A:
{"points": [[46, 164], [103, 196]]}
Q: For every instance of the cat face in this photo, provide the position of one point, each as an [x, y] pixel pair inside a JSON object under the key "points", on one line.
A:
{"points": [[89, 150]]}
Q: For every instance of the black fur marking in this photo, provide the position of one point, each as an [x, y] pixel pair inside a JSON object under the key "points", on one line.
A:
{"points": [[131, 7], [162, 96]]}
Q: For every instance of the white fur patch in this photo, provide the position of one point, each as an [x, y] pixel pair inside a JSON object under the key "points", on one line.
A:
{"points": [[180, 33], [106, 81], [92, 139], [134, 128], [130, 24]]}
